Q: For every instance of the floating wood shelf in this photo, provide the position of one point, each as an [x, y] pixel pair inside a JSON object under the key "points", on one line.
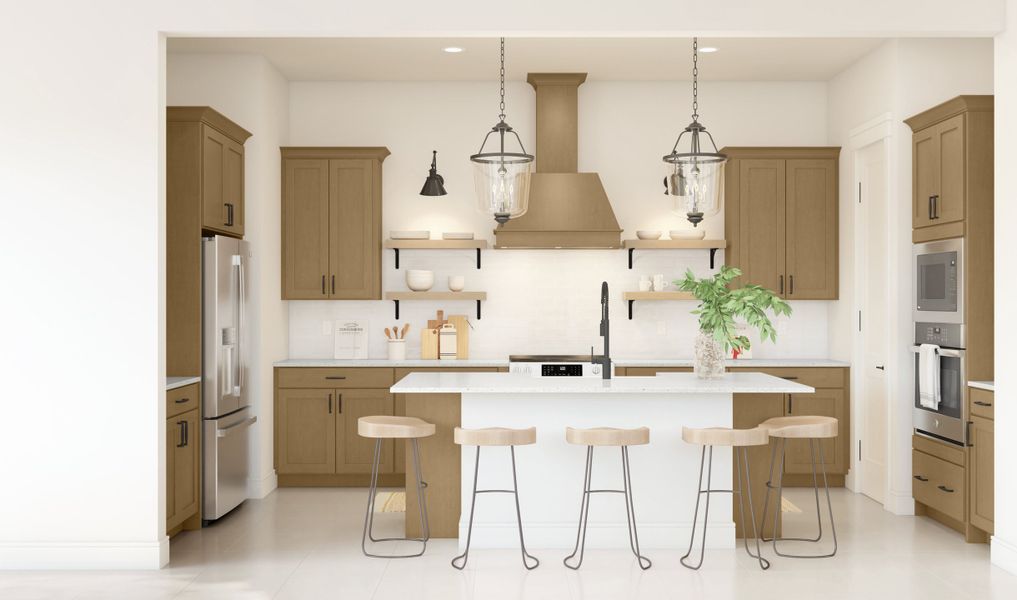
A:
{"points": [[397, 245], [631, 297], [711, 245], [400, 296]]}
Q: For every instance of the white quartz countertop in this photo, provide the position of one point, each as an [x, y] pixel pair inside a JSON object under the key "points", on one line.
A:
{"points": [[383, 362], [665, 383], [503, 362], [173, 383], [983, 385]]}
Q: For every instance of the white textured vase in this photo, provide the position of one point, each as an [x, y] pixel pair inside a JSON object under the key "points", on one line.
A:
{"points": [[708, 362]]}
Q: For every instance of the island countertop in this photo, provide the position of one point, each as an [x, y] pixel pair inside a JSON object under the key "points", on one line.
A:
{"points": [[663, 383]]}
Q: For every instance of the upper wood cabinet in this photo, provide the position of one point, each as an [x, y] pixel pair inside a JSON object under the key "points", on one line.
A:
{"points": [[951, 172], [208, 149], [331, 223], [781, 219]]}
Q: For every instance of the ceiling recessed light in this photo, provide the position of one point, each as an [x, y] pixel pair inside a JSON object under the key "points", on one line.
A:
{"points": [[453, 49], [707, 49]]}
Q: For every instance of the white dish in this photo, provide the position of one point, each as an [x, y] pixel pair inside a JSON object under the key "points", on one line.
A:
{"points": [[454, 235], [685, 234], [419, 281], [456, 283], [648, 235], [410, 235]]}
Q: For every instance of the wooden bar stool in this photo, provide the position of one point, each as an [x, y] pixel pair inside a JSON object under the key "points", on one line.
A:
{"points": [[815, 429], [607, 436], [737, 439], [495, 436], [384, 427]]}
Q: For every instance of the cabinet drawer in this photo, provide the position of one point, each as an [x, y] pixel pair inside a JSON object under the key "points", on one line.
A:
{"points": [[182, 399], [817, 377], [938, 483], [327, 377], [982, 403], [942, 450]]}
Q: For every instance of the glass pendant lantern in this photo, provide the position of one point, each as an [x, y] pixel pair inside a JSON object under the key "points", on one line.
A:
{"points": [[694, 175], [502, 177]]}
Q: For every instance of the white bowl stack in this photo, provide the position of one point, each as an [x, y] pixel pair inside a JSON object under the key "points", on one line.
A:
{"points": [[419, 281]]}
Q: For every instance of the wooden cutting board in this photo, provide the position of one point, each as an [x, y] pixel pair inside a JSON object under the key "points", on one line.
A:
{"points": [[429, 344], [462, 325]]}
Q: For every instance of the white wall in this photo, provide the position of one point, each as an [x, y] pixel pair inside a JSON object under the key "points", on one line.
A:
{"points": [[898, 79], [251, 92], [90, 83], [624, 129], [1004, 542]]}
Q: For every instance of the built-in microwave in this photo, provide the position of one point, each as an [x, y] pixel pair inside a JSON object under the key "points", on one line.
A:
{"points": [[939, 281]]}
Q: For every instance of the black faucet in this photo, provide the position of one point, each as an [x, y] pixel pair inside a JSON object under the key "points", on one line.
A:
{"points": [[605, 332]]}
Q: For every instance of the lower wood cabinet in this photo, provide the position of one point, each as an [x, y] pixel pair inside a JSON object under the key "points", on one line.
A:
{"points": [[981, 477], [824, 402], [183, 459]]}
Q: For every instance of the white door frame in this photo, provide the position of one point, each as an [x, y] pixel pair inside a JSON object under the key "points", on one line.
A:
{"points": [[873, 131]]}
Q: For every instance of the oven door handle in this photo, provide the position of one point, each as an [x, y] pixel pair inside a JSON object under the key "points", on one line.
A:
{"points": [[948, 352]]}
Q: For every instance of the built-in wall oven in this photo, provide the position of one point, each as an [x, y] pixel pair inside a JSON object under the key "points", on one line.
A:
{"points": [[939, 282], [948, 420]]}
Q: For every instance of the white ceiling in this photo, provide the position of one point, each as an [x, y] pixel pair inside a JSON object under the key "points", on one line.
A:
{"points": [[633, 59]]}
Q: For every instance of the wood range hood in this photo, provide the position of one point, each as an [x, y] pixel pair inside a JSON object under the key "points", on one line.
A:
{"points": [[567, 209]]}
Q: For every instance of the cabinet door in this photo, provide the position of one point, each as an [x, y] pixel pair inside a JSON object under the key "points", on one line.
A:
{"points": [[306, 431], [761, 215], [233, 187], [174, 433], [925, 175], [981, 478], [182, 463], [749, 410], [305, 202], [213, 163], [354, 230], [828, 403], [811, 215], [949, 206], [354, 454]]}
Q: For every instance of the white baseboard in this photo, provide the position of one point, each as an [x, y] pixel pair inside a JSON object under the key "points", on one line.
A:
{"points": [[900, 503], [599, 536], [1004, 554], [84, 555], [258, 488]]}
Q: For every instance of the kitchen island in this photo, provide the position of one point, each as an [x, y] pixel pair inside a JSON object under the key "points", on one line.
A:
{"points": [[664, 473]]}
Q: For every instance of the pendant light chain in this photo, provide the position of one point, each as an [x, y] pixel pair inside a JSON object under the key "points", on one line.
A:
{"points": [[695, 79], [502, 105]]}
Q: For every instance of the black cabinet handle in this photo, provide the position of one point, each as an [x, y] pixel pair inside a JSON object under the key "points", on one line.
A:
{"points": [[790, 404], [330, 404], [789, 377], [980, 403], [333, 284], [340, 396], [183, 434], [791, 284], [945, 489], [935, 207], [930, 207], [322, 285], [182, 400], [335, 377], [229, 214], [920, 478], [781, 284]]}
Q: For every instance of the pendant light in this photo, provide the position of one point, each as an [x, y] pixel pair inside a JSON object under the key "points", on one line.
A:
{"points": [[694, 175], [434, 185], [502, 178]]}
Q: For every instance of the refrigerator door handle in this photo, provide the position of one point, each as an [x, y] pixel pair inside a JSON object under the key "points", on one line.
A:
{"points": [[239, 262], [225, 431]]}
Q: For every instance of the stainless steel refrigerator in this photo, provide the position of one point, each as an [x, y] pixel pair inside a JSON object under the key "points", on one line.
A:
{"points": [[226, 342]]}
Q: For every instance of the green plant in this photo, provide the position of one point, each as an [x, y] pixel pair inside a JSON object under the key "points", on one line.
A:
{"points": [[719, 305]]}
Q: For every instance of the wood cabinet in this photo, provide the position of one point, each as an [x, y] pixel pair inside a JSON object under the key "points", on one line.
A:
{"points": [[354, 454], [306, 426], [981, 477], [824, 402], [183, 459], [951, 169], [331, 223], [781, 219]]}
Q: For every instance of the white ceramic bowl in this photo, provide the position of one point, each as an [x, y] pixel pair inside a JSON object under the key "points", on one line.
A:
{"points": [[419, 281], [647, 235], [456, 283], [687, 234], [410, 235]]}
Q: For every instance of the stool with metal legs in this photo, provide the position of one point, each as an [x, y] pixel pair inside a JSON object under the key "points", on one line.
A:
{"points": [[607, 436], [384, 427], [814, 429], [739, 440], [495, 436]]}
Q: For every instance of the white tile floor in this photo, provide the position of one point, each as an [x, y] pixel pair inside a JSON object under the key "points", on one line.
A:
{"points": [[305, 543]]}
